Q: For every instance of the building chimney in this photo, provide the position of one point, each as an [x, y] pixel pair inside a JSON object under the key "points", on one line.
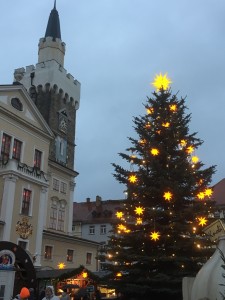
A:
{"points": [[98, 200]]}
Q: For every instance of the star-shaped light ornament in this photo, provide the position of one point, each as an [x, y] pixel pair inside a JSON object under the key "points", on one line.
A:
{"points": [[208, 192], [121, 227], [173, 107], [183, 143], [119, 214], [201, 195], [143, 141], [133, 178], [195, 159], [61, 265], [190, 149], [166, 124], [161, 82], [139, 221], [154, 236], [139, 210], [202, 221], [150, 110], [167, 196], [154, 151]]}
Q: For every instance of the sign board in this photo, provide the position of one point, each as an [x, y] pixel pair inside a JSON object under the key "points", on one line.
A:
{"points": [[215, 230], [7, 260]]}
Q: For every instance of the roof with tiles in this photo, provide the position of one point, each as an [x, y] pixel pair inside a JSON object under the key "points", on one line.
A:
{"points": [[96, 211]]}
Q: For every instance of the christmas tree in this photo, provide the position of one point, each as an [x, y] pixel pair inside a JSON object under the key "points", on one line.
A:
{"points": [[158, 238]]}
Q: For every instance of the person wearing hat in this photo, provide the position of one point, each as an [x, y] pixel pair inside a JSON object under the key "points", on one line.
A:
{"points": [[49, 294], [24, 293]]}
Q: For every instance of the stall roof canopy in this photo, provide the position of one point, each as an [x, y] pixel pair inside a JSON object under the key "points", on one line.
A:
{"points": [[54, 273], [66, 273]]}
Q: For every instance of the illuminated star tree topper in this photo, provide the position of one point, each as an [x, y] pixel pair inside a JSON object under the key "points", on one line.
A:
{"points": [[161, 82]]}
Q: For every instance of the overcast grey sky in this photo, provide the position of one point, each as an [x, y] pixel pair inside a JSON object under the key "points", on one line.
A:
{"points": [[115, 48]]}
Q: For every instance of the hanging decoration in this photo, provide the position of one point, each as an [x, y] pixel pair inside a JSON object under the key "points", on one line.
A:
{"points": [[139, 221], [119, 214], [154, 151], [154, 235], [139, 210], [132, 178], [173, 107], [190, 149], [202, 221], [61, 265], [167, 196]]}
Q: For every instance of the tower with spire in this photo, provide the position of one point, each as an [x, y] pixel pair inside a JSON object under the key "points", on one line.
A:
{"points": [[56, 94], [54, 91]]}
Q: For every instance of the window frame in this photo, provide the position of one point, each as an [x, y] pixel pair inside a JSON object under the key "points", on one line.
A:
{"points": [[26, 195], [16, 154], [55, 184], [92, 229], [6, 143], [63, 187], [102, 229], [70, 256], [46, 255], [38, 156], [88, 258], [23, 241]]}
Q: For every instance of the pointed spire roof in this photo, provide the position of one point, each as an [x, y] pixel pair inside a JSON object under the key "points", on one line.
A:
{"points": [[53, 27]]}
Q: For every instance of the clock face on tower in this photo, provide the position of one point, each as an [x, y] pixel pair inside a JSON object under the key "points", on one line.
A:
{"points": [[63, 125]]}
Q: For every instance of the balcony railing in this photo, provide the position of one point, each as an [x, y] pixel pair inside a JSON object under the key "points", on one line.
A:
{"points": [[14, 165]]}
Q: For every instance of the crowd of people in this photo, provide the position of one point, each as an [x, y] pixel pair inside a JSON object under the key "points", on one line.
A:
{"points": [[48, 294]]}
